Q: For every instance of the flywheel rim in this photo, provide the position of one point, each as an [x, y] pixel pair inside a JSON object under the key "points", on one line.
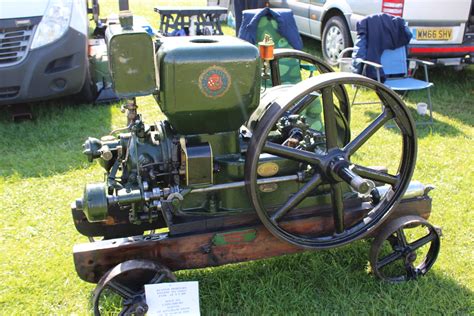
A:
{"points": [[375, 217]]}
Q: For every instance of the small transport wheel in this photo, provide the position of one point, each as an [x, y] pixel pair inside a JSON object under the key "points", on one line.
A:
{"points": [[336, 37], [404, 249], [126, 282]]}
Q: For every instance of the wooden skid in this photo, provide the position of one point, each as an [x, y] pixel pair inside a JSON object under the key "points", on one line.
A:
{"points": [[245, 243]]}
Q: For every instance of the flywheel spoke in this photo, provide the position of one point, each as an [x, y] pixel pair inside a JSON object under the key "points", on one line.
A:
{"points": [[422, 241], [126, 310], [295, 199], [121, 290], [329, 118], [375, 175], [159, 277], [370, 130], [394, 256], [402, 240], [291, 153], [338, 207]]}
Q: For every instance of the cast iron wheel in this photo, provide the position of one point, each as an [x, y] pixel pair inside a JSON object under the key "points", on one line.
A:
{"points": [[336, 37], [334, 167], [405, 259], [305, 59], [127, 280]]}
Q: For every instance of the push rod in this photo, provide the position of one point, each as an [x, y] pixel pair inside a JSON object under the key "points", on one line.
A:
{"points": [[239, 184]]}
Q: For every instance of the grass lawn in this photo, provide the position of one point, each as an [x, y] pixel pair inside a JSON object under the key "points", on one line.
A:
{"points": [[42, 170]]}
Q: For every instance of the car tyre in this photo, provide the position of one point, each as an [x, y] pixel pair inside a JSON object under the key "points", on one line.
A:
{"points": [[336, 37]]}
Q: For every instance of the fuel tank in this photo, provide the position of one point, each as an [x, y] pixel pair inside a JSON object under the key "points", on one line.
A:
{"points": [[207, 84]]}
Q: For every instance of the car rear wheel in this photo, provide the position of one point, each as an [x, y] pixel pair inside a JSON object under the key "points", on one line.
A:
{"points": [[336, 37]]}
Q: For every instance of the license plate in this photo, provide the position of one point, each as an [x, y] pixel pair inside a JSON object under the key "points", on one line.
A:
{"points": [[434, 34]]}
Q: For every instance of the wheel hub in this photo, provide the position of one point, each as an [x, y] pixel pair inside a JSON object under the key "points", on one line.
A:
{"points": [[333, 42], [411, 257], [136, 306], [336, 167]]}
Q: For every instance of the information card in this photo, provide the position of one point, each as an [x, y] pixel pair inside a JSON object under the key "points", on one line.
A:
{"points": [[175, 298]]}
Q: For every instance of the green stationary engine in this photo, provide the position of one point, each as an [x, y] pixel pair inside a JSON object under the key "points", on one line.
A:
{"points": [[208, 88], [239, 161]]}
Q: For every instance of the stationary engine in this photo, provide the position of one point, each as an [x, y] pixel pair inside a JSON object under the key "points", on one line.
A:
{"points": [[244, 169], [241, 168]]}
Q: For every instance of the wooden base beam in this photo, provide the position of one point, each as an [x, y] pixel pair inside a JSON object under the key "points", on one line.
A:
{"points": [[205, 249]]}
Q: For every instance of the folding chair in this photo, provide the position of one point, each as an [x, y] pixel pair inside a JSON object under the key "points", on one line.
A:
{"points": [[395, 66]]}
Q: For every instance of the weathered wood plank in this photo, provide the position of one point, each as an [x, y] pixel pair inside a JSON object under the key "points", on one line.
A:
{"points": [[192, 251]]}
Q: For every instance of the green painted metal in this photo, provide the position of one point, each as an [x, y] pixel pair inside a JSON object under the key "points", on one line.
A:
{"points": [[131, 61], [208, 84], [95, 202], [99, 62], [222, 144], [199, 165], [234, 237]]}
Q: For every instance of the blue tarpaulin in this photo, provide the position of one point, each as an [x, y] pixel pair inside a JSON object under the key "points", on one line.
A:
{"points": [[286, 25]]}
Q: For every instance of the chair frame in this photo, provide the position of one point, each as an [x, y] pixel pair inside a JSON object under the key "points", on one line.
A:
{"points": [[417, 62]]}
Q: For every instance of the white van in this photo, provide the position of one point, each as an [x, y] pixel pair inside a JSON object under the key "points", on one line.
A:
{"points": [[43, 50], [443, 30]]}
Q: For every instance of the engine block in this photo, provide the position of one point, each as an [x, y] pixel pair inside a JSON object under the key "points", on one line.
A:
{"points": [[192, 163]]}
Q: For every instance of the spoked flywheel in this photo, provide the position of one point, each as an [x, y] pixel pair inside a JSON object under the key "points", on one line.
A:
{"points": [[405, 249], [331, 163], [123, 286]]}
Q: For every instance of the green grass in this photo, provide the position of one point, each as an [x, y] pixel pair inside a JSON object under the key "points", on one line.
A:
{"points": [[42, 170]]}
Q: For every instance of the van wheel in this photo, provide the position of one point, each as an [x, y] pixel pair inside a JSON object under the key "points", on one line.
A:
{"points": [[336, 37]]}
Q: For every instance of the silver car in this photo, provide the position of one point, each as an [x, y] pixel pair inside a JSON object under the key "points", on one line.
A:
{"points": [[443, 30]]}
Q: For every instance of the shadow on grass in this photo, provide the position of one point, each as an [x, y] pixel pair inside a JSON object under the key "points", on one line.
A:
{"points": [[453, 93], [327, 282], [52, 142]]}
